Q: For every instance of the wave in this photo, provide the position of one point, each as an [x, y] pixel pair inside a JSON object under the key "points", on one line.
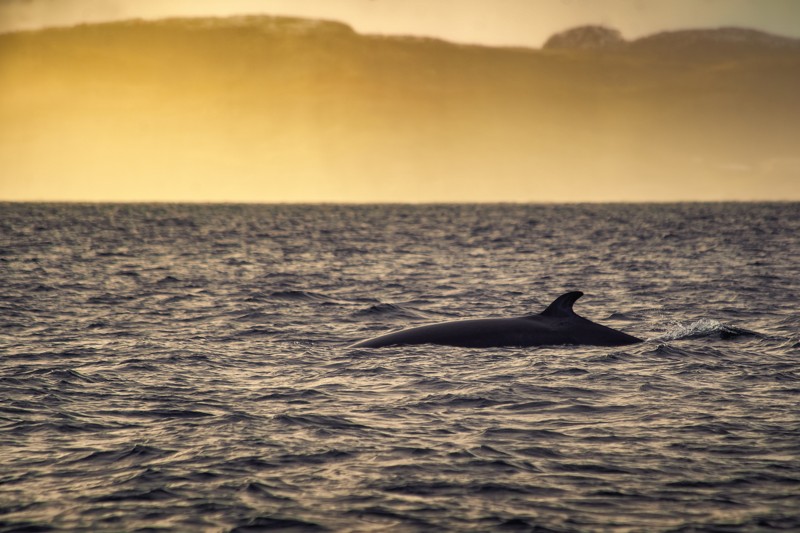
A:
{"points": [[390, 310], [139, 494], [705, 327], [168, 280], [136, 453], [271, 523], [301, 296], [318, 421]]}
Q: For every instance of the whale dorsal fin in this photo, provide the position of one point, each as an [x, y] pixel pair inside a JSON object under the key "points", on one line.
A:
{"points": [[562, 306]]}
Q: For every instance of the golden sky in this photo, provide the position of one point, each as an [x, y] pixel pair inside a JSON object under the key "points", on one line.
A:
{"points": [[126, 117]]}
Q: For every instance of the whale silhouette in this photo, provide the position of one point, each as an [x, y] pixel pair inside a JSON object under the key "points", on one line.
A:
{"points": [[558, 324]]}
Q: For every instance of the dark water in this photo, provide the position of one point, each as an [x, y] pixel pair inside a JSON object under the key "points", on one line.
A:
{"points": [[184, 367]]}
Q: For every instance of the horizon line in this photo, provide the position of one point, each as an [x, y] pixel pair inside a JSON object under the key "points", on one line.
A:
{"points": [[401, 203]]}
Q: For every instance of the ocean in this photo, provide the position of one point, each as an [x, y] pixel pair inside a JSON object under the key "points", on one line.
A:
{"points": [[185, 368]]}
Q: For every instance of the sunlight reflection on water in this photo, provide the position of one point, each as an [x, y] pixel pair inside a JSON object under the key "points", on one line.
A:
{"points": [[184, 367]]}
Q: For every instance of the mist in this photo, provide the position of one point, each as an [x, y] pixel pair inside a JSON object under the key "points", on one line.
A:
{"points": [[292, 110]]}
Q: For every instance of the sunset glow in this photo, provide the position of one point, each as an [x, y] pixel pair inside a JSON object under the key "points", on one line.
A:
{"points": [[260, 109]]}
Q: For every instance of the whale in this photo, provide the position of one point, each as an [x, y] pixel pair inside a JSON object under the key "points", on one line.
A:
{"points": [[558, 324]]}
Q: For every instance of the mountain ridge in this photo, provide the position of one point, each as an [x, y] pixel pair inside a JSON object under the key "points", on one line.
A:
{"points": [[602, 37], [577, 37]]}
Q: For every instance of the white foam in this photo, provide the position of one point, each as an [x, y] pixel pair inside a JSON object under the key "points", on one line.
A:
{"points": [[703, 327]]}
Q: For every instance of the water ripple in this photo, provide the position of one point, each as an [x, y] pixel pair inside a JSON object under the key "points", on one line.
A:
{"points": [[182, 367]]}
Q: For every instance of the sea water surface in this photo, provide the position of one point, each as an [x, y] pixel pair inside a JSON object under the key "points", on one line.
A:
{"points": [[185, 367]]}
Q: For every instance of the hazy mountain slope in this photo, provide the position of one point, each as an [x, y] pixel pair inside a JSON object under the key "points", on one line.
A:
{"points": [[286, 109]]}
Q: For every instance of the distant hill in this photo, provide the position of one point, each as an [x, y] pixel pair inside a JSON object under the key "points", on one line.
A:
{"points": [[301, 109], [586, 37], [728, 42], [682, 43]]}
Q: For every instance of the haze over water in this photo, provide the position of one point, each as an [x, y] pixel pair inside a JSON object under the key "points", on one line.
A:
{"points": [[270, 109], [184, 367]]}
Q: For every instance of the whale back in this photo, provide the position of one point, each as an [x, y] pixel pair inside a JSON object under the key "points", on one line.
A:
{"points": [[562, 306], [556, 325]]}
